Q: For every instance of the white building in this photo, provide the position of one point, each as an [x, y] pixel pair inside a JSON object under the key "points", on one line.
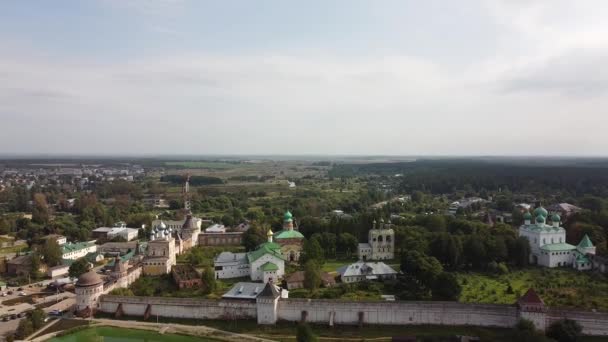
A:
{"points": [[265, 264], [231, 265], [548, 245], [77, 250], [380, 245], [111, 232], [215, 229], [362, 270]]}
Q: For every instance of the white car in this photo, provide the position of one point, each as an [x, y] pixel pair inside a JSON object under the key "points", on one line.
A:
{"points": [[22, 293]]}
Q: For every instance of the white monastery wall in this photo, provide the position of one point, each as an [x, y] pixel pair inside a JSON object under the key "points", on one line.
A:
{"points": [[593, 323], [324, 311], [179, 307]]}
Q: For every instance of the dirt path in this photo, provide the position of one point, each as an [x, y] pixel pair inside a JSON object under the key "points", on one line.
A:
{"points": [[170, 328]]}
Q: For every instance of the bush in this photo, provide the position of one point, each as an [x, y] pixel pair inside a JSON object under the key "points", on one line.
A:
{"points": [[565, 330]]}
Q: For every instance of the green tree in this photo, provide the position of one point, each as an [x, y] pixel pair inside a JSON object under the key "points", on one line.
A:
{"points": [[37, 318], [253, 237], [565, 330], [35, 265], [51, 252], [313, 251], [209, 279], [446, 287], [347, 244], [520, 254], [24, 329], [78, 267], [305, 334], [40, 211], [422, 267], [475, 251], [417, 197], [435, 223], [525, 331], [312, 275]]}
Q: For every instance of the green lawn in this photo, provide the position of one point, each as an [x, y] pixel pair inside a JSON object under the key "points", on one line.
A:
{"points": [[557, 287]]}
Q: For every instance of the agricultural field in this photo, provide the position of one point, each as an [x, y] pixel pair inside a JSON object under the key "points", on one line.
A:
{"points": [[557, 287]]}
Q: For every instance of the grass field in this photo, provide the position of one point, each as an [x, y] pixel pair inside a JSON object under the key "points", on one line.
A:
{"points": [[557, 287]]}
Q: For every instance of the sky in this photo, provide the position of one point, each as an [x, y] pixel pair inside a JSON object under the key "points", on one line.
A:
{"points": [[343, 77]]}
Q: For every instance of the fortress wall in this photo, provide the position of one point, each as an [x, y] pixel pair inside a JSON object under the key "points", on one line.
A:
{"points": [[179, 307], [349, 312], [448, 313], [593, 323]]}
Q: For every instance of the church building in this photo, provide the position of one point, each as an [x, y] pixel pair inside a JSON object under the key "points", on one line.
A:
{"points": [[290, 240], [548, 245], [380, 245]]}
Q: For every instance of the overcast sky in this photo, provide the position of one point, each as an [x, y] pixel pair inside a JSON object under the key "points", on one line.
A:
{"points": [[512, 77]]}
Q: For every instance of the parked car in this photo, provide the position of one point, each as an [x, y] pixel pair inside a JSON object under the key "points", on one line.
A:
{"points": [[22, 293], [20, 289]]}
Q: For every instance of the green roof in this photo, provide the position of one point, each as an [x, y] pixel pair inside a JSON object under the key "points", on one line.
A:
{"points": [[265, 248], [585, 242], [527, 216], [72, 247], [269, 267], [581, 259], [555, 218], [552, 247], [287, 217], [123, 258], [540, 219], [289, 234]]}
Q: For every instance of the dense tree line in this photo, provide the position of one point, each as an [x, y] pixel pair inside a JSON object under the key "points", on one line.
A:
{"points": [[194, 180]]}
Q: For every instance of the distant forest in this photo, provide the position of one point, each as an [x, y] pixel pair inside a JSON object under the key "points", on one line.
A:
{"points": [[448, 175], [194, 180]]}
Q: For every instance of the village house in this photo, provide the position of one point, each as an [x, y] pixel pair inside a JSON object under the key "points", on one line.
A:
{"points": [[77, 250], [361, 271]]}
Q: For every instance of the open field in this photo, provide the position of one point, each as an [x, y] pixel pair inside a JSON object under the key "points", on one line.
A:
{"points": [[557, 287]]}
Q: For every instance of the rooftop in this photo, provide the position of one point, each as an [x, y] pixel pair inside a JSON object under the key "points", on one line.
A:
{"points": [[362, 268], [245, 290], [73, 247], [552, 247]]}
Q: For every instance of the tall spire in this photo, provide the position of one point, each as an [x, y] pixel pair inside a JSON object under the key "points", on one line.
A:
{"points": [[186, 193]]}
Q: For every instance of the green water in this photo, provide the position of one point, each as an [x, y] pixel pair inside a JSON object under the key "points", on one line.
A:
{"points": [[108, 334]]}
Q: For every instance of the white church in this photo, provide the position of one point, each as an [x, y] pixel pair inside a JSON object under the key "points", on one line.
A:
{"points": [[548, 245]]}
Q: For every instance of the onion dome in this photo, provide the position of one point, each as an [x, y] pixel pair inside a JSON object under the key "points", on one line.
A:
{"points": [[555, 218], [540, 219], [541, 211], [288, 217], [269, 233], [162, 225], [527, 216], [89, 279]]}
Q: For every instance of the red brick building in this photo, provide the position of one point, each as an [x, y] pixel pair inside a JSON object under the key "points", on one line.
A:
{"points": [[220, 239]]}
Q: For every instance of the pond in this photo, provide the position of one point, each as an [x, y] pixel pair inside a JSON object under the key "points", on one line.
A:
{"points": [[110, 334]]}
